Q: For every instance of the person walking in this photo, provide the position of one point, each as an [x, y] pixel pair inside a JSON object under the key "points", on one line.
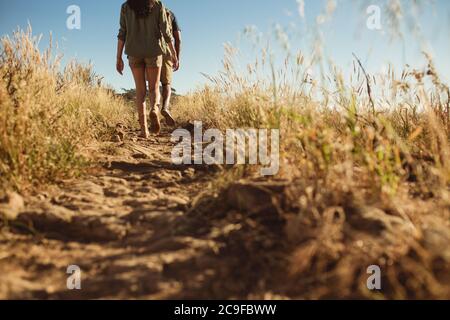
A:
{"points": [[169, 68], [146, 35]]}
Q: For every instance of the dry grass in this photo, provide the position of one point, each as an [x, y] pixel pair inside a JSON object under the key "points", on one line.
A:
{"points": [[397, 136], [47, 116], [367, 164]]}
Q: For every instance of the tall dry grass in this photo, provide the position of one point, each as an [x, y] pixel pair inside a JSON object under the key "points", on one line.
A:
{"points": [[394, 137], [366, 160], [389, 128], [48, 116]]}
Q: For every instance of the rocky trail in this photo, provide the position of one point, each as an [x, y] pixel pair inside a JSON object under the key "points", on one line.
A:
{"points": [[140, 227], [123, 225]]}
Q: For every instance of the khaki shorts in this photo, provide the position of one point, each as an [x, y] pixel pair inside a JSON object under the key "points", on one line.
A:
{"points": [[167, 71], [155, 62]]}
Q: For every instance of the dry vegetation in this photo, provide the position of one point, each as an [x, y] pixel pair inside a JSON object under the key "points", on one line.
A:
{"points": [[365, 168], [365, 174], [49, 117], [362, 181]]}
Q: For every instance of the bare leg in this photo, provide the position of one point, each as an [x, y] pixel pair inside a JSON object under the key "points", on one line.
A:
{"points": [[167, 93], [153, 78], [141, 93]]}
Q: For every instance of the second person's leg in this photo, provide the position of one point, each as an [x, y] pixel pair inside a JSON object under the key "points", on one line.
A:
{"points": [[153, 78], [167, 92], [166, 81]]}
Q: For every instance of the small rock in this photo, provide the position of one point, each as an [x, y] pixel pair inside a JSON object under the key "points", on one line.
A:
{"points": [[11, 205], [377, 222], [139, 156], [436, 238], [117, 191], [251, 198], [177, 200], [117, 138], [166, 176], [190, 173], [87, 187]]}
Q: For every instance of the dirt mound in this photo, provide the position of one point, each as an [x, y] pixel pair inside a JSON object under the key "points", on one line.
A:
{"points": [[298, 242]]}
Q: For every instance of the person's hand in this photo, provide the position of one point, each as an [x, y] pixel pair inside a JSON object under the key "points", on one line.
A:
{"points": [[120, 66], [176, 63], [176, 66]]}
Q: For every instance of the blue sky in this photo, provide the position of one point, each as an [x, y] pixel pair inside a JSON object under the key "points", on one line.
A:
{"points": [[208, 24]]}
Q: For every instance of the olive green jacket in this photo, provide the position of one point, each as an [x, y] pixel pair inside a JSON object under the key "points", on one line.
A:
{"points": [[145, 37]]}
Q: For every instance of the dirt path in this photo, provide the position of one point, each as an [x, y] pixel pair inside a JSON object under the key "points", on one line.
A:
{"points": [[140, 227], [120, 225]]}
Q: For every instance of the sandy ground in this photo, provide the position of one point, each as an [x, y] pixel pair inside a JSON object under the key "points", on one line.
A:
{"points": [[140, 227], [118, 224]]}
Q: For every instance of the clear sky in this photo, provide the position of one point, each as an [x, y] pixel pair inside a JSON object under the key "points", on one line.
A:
{"points": [[208, 24]]}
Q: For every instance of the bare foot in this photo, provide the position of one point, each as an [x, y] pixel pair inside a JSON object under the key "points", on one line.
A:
{"points": [[144, 135]]}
